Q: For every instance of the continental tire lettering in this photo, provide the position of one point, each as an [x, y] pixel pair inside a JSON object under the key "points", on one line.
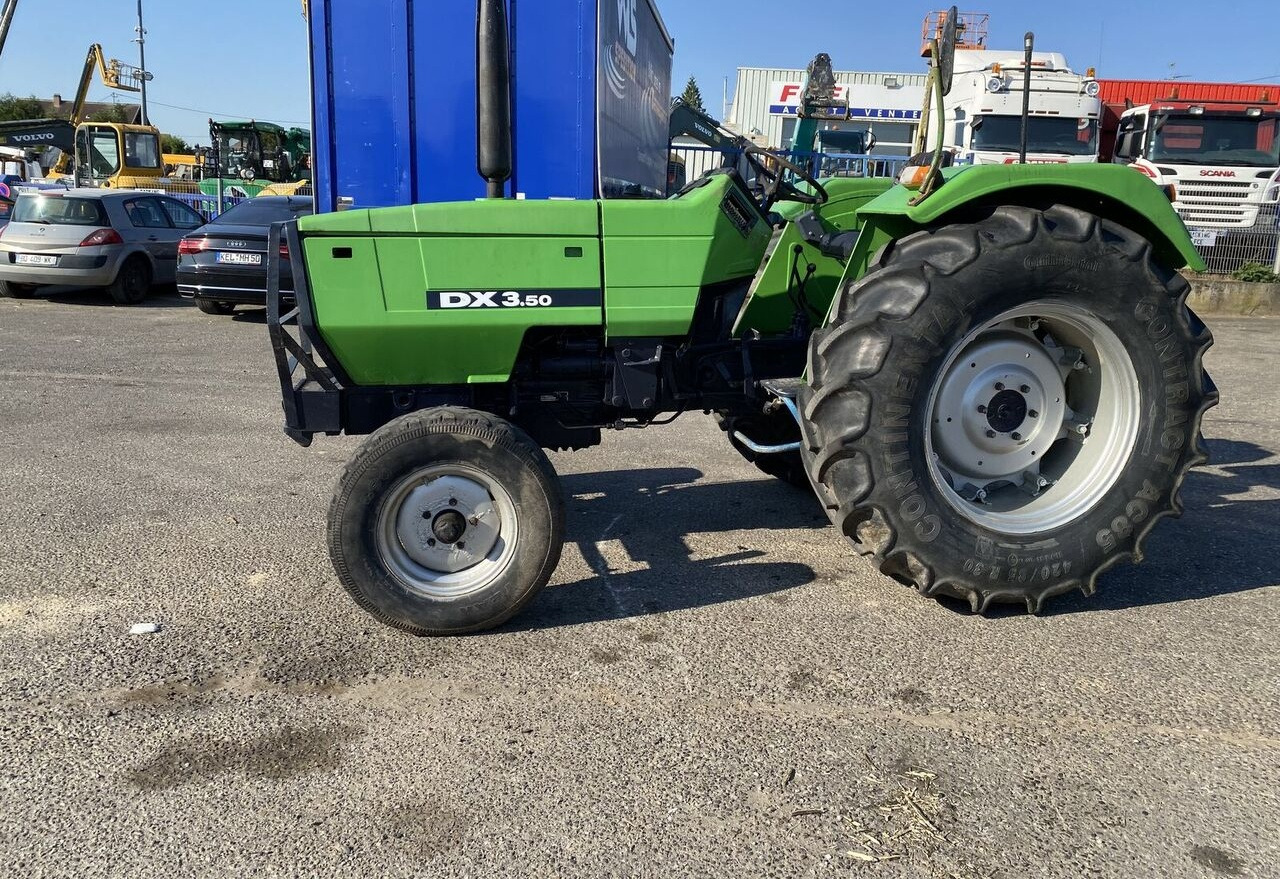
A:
{"points": [[896, 416], [912, 508], [928, 529]]}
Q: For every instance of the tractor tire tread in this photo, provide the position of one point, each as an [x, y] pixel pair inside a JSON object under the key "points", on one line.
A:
{"points": [[857, 345], [455, 420]]}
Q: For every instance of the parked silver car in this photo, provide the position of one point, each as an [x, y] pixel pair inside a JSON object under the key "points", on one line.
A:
{"points": [[122, 240]]}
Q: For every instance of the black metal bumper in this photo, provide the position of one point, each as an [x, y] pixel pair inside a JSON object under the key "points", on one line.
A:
{"points": [[311, 382]]}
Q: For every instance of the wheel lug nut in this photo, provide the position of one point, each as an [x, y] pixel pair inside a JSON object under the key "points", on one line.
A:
{"points": [[1033, 414], [474, 520], [1026, 389], [461, 544], [426, 514], [1016, 436], [982, 410], [453, 501], [999, 386], [431, 541], [991, 434]]}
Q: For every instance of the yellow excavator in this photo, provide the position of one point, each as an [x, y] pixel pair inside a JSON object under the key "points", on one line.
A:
{"points": [[104, 153]]}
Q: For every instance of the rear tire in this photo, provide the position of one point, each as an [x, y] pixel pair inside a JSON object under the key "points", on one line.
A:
{"points": [[446, 521], [132, 282], [907, 421], [211, 306], [10, 290]]}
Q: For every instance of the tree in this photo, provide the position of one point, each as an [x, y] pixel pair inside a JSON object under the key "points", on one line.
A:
{"points": [[693, 95], [113, 113], [12, 108], [171, 143]]}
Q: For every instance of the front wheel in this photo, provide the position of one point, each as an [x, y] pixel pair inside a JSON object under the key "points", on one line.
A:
{"points": [[1002, 410], [446, 521]]}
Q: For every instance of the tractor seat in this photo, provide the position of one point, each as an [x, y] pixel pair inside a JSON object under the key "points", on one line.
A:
{"points": [[837, 245]]}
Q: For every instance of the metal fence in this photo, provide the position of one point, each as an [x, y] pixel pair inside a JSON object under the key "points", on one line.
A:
{"points": [[699, 160], [1228, 250]]}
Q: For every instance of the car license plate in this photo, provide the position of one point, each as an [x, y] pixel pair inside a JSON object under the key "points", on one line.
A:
{"points": [[239, 259], [1204, 237], [35, 259]]}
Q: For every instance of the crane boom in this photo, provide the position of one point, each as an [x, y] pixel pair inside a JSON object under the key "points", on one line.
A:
{"points": [[114, 75], [6, 19]]}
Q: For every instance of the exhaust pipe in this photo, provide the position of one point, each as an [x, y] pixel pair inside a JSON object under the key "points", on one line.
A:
{"points": [[493, 96]]}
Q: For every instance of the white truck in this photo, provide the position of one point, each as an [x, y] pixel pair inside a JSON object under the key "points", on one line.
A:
{"points": [[984, 111]]}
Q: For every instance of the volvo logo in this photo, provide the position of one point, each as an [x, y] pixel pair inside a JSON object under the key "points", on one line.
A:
{"points": [[31, 138]]}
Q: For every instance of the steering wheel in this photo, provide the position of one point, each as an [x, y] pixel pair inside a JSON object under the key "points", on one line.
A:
{"points": [[772, 168]]}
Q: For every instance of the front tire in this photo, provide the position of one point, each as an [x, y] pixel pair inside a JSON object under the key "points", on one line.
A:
{"points": [[1002, 410], [446, 521]]}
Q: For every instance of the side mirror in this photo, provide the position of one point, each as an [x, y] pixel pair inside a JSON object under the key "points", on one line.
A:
{"points": [[947, 51]]}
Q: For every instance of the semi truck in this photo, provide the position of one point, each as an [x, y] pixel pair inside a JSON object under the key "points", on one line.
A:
{"points": [[1216, 144], [984, 116]]}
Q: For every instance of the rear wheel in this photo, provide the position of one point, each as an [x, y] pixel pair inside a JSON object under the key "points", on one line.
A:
{"points": [[132, 282], [211, 306], [10, 290], [446, 521], [1002, 410]]}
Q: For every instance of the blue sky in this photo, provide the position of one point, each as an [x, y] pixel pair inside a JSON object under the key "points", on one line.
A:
{"points": [[247, 58]]}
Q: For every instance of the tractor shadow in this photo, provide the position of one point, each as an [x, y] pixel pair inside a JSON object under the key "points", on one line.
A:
{"points": [[650, 513], [1224, 543]]}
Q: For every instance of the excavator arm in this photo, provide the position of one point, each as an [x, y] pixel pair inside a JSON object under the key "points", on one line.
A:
{"points": [[34, 134], [114, 75]]}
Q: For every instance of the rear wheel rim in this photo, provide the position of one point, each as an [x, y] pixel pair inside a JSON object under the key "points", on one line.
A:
{"points": [[1033, 418], [446, 531], [135, 280]]}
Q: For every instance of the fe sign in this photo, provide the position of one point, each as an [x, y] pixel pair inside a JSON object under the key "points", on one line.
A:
{"points": [[784, 100]]}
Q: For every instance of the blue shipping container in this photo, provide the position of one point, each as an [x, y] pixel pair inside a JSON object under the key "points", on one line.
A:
{"points": [[394, 100]]}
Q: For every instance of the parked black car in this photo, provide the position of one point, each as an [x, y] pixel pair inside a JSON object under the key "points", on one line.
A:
{"points": [[224, 264]]}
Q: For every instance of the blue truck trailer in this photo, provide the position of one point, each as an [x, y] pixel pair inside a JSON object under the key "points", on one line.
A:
{"points": [[395, 100]]}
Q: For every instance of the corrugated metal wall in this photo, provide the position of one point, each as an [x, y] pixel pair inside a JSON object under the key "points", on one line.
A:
{"points": [[751, 100], [1145, 91]]}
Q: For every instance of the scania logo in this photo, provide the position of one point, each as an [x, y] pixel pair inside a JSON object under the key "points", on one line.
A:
{"points": [[1216, 172]]}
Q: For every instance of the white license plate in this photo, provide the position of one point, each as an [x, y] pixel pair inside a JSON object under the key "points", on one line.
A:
{"points": [[239, 259], [1204, 237], [35, 259]]}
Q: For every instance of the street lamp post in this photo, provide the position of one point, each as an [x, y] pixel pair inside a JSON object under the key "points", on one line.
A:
{"points": [[142, 62]]}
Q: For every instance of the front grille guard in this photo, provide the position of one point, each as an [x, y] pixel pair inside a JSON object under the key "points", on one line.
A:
{"points": [[311, 382]]}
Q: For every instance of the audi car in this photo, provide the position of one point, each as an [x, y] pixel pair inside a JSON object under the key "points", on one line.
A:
{"points": [[224, 264]]}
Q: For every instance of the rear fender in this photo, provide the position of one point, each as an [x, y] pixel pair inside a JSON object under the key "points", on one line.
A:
{"points": [[1112, 192]]}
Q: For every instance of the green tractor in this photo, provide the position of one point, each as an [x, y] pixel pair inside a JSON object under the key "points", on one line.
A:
{"points": [[251, 156], [987, 375]]}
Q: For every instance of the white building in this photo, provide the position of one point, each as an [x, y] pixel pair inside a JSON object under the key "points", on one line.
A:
{"points": [[889, 104]]}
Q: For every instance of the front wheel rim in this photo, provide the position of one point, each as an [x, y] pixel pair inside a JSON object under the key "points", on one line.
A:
{"points": [[1033, 418], [446, 531]]}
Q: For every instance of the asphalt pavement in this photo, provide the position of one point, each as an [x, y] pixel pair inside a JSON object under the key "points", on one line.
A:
{"points": [[713, 685]]}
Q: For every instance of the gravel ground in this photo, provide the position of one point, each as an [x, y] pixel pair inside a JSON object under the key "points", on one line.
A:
{"points": [[713, 685]]}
